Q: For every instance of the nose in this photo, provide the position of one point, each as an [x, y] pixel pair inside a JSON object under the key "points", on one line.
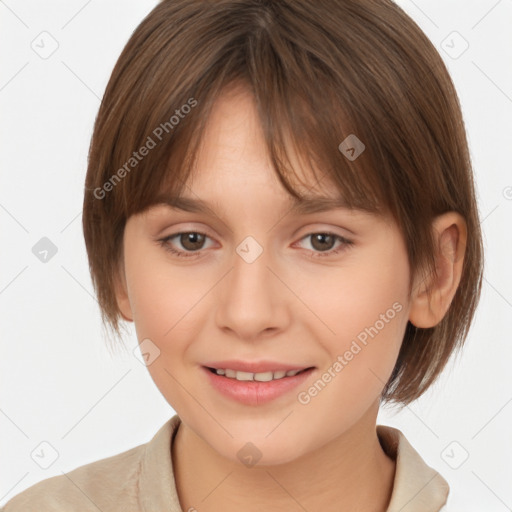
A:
{"points": [[252, 300]]}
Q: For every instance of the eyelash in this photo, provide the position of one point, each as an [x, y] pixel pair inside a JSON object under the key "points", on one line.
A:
{"points": [[345, 244]]}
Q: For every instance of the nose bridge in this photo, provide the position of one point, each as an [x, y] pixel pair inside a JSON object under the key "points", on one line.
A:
{"points": [[251, 278], [251, 300]]}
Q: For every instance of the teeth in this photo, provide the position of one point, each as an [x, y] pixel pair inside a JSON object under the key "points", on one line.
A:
{"points": [[260, 377], [244, 376]]}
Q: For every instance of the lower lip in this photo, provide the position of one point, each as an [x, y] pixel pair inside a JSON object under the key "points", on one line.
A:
{"points": [[255, 392]]}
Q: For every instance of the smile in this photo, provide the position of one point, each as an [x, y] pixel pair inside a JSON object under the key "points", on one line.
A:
{"points": [[256, 388], [260, 377]]}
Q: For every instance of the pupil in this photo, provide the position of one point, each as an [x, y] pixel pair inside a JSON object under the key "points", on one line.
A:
{"points": [[192, 241], [323, 238]]}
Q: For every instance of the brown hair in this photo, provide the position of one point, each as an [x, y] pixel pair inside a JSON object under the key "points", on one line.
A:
{"points": [[319, 71]]}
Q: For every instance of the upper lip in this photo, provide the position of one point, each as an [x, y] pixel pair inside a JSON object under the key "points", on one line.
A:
{"points": [[255, 366]]}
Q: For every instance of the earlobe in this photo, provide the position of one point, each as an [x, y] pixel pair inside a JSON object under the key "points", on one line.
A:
{"points": [[432, 296]]}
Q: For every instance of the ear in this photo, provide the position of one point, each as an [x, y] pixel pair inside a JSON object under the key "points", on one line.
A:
{"points": [[121, 292], [450, 235]]}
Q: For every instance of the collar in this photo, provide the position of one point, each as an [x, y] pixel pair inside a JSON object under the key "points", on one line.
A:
{"points": [[416, 488]]}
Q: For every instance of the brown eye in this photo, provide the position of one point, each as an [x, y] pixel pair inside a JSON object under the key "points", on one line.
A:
{"points": [[322, 241], [185, 244], [326, 244], [192, 241]]}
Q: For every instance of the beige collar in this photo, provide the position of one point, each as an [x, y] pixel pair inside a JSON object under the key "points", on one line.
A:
{"points": [[417, 487]]}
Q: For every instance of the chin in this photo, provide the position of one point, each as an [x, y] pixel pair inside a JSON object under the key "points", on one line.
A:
{"points": [[259, 452]]}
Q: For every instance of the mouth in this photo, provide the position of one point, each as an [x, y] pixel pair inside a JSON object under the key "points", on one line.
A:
{"points": [[267, 376], [257, 388]]}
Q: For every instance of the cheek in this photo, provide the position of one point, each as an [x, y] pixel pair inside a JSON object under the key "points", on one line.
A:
{"points": [[165, 303], [375, 309], [162, 296], [361, 316], [347, 300], [360, 356]]}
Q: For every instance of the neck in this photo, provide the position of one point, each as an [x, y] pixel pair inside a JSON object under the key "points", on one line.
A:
{"points": [[350, 473]]}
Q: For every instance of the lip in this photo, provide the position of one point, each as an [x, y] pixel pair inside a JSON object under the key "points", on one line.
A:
{"points": [[254, 366], [255, 392]]}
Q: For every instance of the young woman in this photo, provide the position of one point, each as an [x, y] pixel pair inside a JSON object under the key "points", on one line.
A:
{"points": [[279, 196]]}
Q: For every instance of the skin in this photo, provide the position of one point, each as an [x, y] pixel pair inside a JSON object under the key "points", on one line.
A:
{"points": [[289, 305]]}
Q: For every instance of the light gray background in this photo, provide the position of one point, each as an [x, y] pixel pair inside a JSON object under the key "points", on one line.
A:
{"points": [[61, 386]]}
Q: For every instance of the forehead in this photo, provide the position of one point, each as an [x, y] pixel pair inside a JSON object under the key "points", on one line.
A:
{"points": [[234, 139], [233, 156], [232, 168]]}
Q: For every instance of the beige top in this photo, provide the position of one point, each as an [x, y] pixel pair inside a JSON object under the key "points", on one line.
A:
{"points": [[142, 479]]}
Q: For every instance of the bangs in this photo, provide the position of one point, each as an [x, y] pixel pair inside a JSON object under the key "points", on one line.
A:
{"points": [[302, 132], [306, 110]]}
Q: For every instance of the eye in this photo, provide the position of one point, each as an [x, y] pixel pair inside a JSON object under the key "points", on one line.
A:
{"points": [[191, 241], [323, 243]]}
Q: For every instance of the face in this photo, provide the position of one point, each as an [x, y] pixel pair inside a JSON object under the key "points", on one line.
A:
{"points": [[254, 281]]}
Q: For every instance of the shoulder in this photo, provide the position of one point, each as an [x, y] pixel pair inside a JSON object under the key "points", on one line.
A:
{"points": [[102, 485], [138, 479]]}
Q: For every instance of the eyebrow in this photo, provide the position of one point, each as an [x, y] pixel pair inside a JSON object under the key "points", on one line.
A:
{"points": [[299, 206]]}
